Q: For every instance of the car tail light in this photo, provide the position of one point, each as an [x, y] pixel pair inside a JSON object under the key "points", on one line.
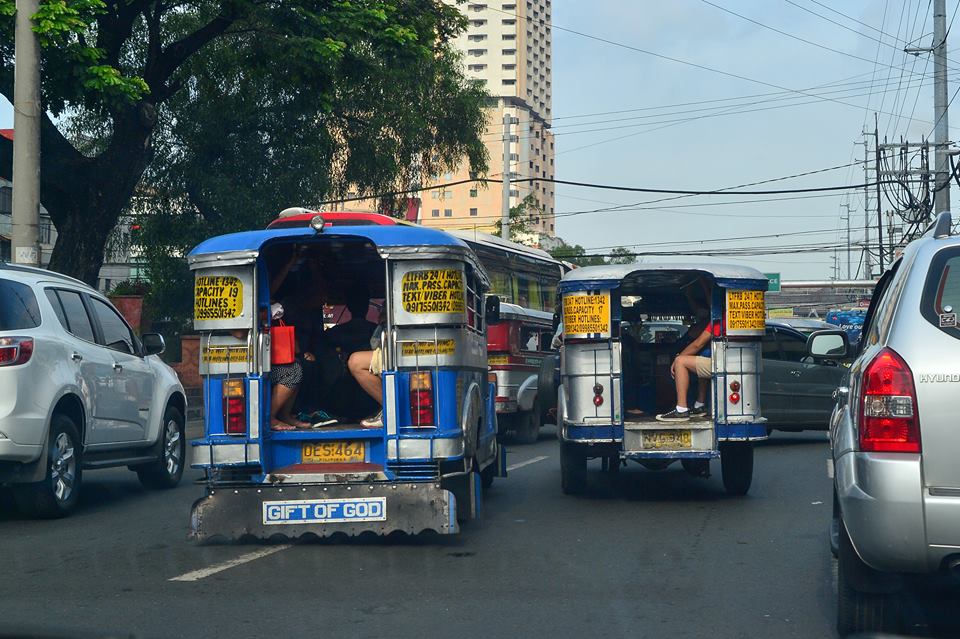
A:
{"points": [[888, 406], [15, 350], [234, 407], [421, 399]]}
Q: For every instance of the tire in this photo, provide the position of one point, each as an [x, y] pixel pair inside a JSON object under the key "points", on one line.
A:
{"points": [[573, 469], [527, 427], [736, 466], [57, 495], [166, 472], [546, 387], [857, 611]]}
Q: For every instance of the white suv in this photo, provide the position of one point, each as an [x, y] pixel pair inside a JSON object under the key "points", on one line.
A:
{"points": [[79, 391]]}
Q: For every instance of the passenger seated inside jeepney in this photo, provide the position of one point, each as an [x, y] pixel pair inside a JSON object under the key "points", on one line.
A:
{"points": [[305, 280], [656, 326]]}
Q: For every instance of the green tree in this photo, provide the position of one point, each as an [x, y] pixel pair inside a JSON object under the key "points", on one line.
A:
{"points": [[622, 255], [522, 216], [234, 109], [576, 254]]}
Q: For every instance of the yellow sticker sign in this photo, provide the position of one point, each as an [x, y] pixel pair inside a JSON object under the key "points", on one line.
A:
{"points": [[745, 311], [433, 291], [586, 314], [440, 347], [217, 297], [224, 355]]}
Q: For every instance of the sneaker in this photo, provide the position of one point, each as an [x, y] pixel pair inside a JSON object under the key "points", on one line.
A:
{"points": [[674, 416], [318, 418], [699, 413], [373, 422]]}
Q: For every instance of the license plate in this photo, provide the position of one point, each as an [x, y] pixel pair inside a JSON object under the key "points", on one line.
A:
{"points": [[667, 439], [325, 511], [333, 452]]}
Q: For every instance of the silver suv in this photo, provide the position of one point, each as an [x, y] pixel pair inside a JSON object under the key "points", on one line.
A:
{"points": [[895, 435], [79, 390]]}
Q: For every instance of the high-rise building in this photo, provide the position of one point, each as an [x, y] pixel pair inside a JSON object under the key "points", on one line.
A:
{"points": [[507, 46]]}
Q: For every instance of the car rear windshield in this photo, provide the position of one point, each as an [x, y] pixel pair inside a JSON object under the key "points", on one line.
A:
{"points": [[18, 307], [941, 293]]}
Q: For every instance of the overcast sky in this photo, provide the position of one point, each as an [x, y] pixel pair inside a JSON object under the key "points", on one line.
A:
{"points": [[649, 144], [715, 152]]}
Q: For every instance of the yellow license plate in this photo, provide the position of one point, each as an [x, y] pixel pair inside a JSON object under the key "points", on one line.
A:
{"points": [[667, 439], [333, 452]]}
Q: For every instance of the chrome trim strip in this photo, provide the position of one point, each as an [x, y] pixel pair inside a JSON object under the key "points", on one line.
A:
{"points": [[390, 404], [254, 408]]}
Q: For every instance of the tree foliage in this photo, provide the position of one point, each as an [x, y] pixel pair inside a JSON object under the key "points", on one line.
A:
{"points": [[213, 115]]}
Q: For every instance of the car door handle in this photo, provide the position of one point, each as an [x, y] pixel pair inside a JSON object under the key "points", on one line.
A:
{"points": [[117, 366], [77, 357]]}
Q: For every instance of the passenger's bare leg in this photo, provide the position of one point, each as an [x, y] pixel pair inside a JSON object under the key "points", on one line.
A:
{"points": [[681, 374], [281, 395], [286, 414], [703, 386], [359, 366]]}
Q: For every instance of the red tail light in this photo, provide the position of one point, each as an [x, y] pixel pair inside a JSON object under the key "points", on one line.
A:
{"points": [[421, 399], [598, 395], [234, 407], [888, 406], [15, 350]]}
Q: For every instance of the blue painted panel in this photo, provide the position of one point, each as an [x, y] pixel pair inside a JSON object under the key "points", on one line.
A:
{"points": [[741, 431]]}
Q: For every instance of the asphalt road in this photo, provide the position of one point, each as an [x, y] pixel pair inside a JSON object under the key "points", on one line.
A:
{"points": [[649, 554]]}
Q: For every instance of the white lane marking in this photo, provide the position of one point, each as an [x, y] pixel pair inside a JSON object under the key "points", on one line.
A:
{"points": [[197, 575], [527, 462]]}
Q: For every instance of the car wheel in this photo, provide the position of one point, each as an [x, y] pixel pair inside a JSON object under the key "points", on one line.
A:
{"points": [[58, 493], [859, 611], [573, 469], [168, 469], [527, 427], [736, 467]]}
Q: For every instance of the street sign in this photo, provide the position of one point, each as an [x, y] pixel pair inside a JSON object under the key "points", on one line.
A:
{"points": [[774, 284]]}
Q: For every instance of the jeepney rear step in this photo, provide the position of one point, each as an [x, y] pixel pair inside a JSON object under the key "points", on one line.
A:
{"points": [[326, 473]]}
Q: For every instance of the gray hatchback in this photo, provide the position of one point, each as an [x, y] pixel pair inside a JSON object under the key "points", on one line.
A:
{"points": [[895, 438]]}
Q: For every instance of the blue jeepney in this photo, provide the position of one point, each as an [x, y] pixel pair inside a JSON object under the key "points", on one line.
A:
{"points": [[423, 468], [623, 325]]}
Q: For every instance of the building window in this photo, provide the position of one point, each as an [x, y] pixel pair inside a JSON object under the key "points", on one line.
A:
{"points": [[473, 212], [477, 7], [508, 81], [510, 7], [514, 157], [6, 200], [447, 195], [447, 213], [551, 226], [477, 22], [509, 67], [435, 213], [477, 37], [509, 21], [473, 192], [509, 36], [476, 67], [514, 193], [508, 52]]}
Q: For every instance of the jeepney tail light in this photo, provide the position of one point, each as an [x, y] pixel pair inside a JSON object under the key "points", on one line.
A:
{"points": [[734, 398], [421, 399], [15, 350], [888, 407], [234, 407], [598, 395]]}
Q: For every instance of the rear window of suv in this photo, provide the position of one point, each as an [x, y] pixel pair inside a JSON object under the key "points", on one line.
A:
{"points": [[18, 307], [940, 304]]}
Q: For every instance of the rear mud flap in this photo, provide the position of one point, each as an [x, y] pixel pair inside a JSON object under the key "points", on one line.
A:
{"points": [[267, 512]]}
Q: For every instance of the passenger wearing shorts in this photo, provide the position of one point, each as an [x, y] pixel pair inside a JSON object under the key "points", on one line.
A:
{"points": [[366, 367], [693, 359]]}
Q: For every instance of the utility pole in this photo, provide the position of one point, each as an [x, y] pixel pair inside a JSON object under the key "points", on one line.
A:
{"points": [[505, 212], [876, 144], [941, 130], [26, 139], [867, 260], [847, 206]]}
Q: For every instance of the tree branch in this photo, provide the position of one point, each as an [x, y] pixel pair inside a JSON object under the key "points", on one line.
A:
{"points": [[178, 52]]}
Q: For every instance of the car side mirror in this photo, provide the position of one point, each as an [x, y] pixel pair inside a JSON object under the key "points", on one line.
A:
{"points": [[829, 344], [153, 343], [492, 309]]}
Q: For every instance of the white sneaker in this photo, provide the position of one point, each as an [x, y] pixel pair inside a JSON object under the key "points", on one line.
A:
{"points": [[373, 422]]}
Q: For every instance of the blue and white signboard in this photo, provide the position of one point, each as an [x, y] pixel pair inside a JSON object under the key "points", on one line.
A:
{"points": [[325, 511]]}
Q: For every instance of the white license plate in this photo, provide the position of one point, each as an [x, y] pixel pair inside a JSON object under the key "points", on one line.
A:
{"points": [[325, 511]]}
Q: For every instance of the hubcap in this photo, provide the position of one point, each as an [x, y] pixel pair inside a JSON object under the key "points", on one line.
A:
{"points": [[63, 467], [171, 447]]}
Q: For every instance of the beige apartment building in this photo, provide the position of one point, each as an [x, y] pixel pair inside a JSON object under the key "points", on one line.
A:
{"points": [[507, 47]]}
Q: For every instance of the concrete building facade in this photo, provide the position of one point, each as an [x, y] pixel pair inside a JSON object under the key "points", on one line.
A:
{"points": [[507, 47]]}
